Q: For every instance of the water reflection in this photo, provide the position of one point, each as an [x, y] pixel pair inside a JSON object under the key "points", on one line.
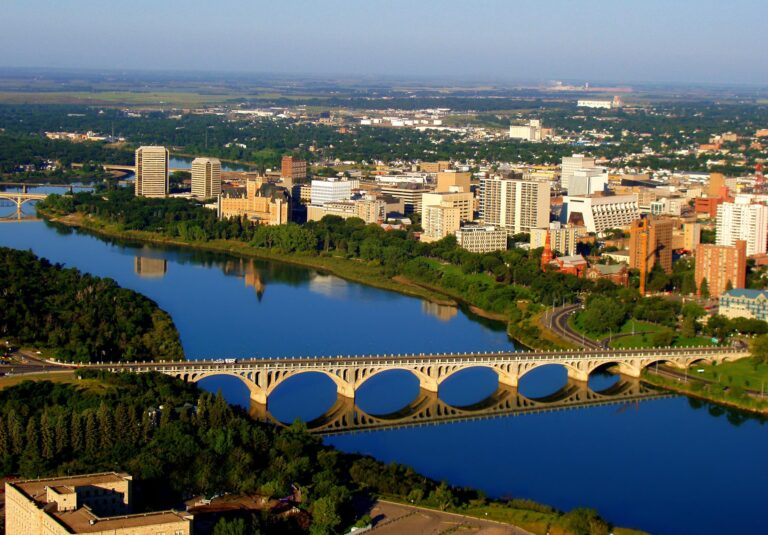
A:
{"points": [[345, 416], [148, 267], [441, 312]]}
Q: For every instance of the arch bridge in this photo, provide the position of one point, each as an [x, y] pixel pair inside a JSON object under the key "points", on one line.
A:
{"points": [[21, 197], [263, 375]]}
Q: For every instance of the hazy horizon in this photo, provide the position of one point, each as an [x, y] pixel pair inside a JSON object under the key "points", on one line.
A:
{"points": [[655, 42]]}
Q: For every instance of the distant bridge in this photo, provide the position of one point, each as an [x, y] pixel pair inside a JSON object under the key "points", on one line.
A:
{"points": [[19, 198], [428, 409], [26, 185], [263, 375], [132, 168]]}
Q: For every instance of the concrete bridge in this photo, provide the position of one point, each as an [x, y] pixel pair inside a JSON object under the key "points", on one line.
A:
{"points": [[428, 409], [263, 375], [19, 198]]}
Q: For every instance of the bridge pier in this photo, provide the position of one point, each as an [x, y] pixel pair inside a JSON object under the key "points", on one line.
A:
{"points": [[577, 375]]}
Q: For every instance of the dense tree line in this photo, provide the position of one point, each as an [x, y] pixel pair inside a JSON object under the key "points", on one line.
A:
{"points": [[492, 281], [81, 317], [178, 442]]}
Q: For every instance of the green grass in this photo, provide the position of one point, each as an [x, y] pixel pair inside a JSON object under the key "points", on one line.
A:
{"points": [[744, 373], [645, 340]]}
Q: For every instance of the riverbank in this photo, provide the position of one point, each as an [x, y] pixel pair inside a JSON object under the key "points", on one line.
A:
{"points": [[349, 269]]}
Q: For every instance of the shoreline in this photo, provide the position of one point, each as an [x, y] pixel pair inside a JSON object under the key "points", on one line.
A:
{"points": [[325, 264]]}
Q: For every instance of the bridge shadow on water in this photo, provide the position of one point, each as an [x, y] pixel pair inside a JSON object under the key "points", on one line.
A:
{"points": [[345, 416]]}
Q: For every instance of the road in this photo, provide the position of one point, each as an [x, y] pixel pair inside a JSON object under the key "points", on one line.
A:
{"points": [[557, 321]]}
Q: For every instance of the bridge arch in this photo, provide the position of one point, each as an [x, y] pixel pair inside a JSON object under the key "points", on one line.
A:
{"points": [[505, 377], [422, 373], [256, 393], [574, 371], [343, 386]]}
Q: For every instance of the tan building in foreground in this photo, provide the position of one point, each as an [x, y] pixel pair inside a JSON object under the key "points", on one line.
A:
{"points": [[370, 211], [481, 238], [262, 202], [453, 181], [98, 504], [439, 221], [463, 201]]}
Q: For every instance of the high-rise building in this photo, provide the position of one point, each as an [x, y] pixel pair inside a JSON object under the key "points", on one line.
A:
{"points": [[691, 236], [206, 177], [742, 220], [588, 181], [719, 265], [292, 171], [716, 185], [570, 164], [151, 172], [439, 221], [650, 243], [516, 205], [463, 201], [453, 181]]}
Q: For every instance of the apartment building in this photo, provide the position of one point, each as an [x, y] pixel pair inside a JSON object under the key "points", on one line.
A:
{"points": [[463, 201], [97, 504], [453, 181], [331, 190], [439, 221], [206, 177], [410, 194], [742, 220], [152, 166], [515, 205], [719, 265], [652, 239], [292, 170], [744, 303], [564, 239], [481, 238]]}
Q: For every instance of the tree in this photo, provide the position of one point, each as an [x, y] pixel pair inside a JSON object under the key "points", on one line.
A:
{"points": [[77, 439], [759, 348], [325, 515], [704, 288], [236, 526]]}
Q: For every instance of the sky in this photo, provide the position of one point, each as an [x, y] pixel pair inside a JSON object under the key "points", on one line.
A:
{"points": [[684, 41]]}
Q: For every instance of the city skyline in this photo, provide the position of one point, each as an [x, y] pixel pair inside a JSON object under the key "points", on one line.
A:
{"points": [[597, 41]]}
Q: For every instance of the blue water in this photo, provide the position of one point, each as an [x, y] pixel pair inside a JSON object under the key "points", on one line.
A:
{"points": [[666, 466]]}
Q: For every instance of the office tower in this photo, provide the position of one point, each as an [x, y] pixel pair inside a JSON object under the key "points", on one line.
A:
{"points": [[516, 205], [333, 189], [599, 214], [588, 181], [570, 164], [719, 265], [741, 220], [206, 177], [650, 242], [453, 181], [481, 238], [151, 172]]}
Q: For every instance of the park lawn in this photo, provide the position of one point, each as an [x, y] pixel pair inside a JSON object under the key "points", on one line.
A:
{"points": [[631, 324], [64, 376], [745, 373], [645, 340]]}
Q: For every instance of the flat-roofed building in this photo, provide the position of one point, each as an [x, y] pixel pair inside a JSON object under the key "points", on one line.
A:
{"points": [[453, 181], [516, 205], [98, 504], [151, 172], [721, 265], [528, 132], [206, 177], [691, 236], [481, 238], [370, 211], [600, 213], [742, 220], [564, 239], [744, 303], [410, 194], [439, 221], [570, 164], [588, 181], [463, 201], [332, 189], [654, 240], [434, 167], [292, 170]]}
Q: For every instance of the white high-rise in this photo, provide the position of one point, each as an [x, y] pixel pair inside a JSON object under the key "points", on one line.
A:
{"points": [[570, 164], [588, 181], [333, 189], [742, 220], [151, 172], [513, 204], [206, 177]]}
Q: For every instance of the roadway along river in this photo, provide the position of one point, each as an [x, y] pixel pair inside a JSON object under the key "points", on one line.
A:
{"points": [[664, 465]]}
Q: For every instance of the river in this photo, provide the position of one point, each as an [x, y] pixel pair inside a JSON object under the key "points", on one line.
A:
{"points": [[668, 465]]}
